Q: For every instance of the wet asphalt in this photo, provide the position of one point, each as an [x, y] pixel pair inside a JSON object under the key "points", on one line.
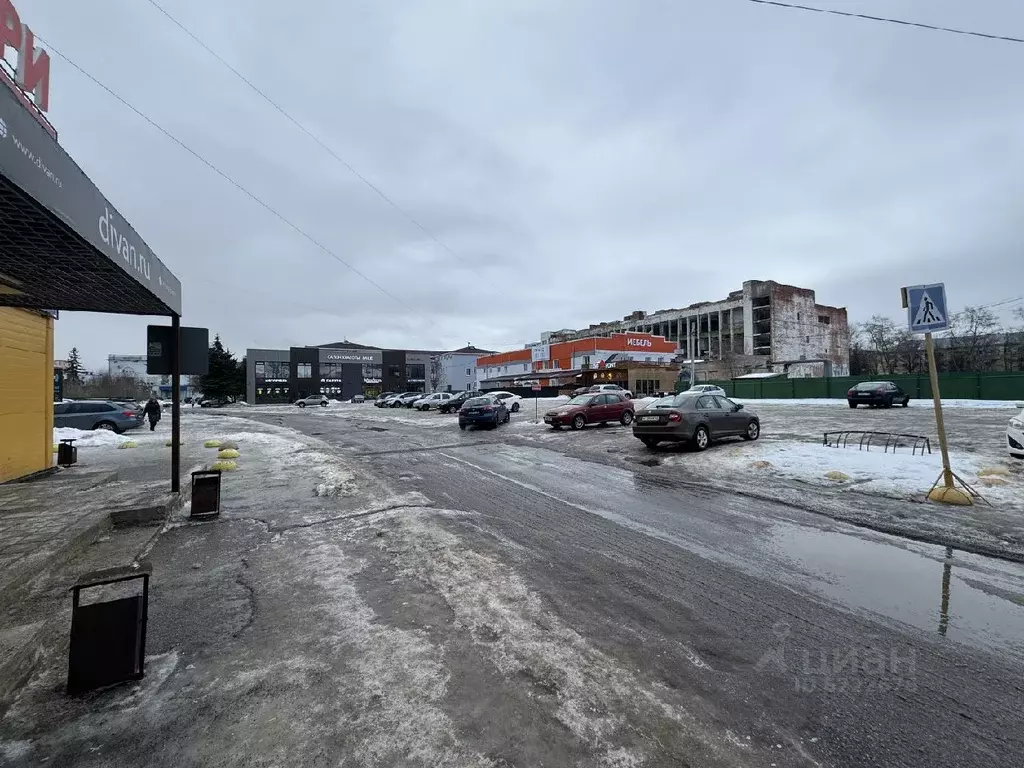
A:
{"points": [[861, 648]]}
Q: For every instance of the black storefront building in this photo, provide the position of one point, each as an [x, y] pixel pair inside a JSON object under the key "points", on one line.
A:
{"points": [[340, 371]]}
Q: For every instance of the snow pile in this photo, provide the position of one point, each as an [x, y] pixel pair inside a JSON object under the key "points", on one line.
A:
{"points": [[93, 438], [899, 475]]}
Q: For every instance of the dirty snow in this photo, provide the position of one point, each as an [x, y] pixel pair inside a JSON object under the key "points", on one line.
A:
{"points": [[89, 438], [899, 475]]}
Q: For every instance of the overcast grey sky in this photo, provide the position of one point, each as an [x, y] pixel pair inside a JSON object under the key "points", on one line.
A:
{"points": [[583, 159]]}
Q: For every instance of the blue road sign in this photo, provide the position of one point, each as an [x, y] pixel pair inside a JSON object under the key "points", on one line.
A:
{"points": [[926, 308]]}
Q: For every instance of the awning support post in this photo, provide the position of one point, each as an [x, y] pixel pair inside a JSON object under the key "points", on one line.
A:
{"points": [[175, 404]]}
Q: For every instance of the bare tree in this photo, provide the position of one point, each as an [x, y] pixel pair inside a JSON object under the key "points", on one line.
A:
{"points": [[862, 361], [883, 338], [973, 339], [102, 387]]}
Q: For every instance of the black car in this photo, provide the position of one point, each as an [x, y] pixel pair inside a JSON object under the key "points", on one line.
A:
{"points": [[456, 402], [877, 393]]}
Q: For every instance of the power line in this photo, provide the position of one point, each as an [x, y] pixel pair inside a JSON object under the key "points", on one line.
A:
{"points": [[52, 49], [887, 20], [305, 130]]}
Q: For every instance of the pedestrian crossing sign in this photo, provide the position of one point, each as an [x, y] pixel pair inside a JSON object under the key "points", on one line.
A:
{"points": [[926, 308]]}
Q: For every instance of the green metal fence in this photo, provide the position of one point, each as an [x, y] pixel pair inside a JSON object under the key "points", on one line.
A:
{"points": [[967, 386]]}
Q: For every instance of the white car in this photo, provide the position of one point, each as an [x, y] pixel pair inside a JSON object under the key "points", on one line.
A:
{"points": [[508, 399], [706, 389], [611, 388], [1015, 435], [302, 402], [432, 401]]}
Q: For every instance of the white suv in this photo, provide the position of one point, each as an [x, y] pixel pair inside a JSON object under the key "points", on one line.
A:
{"points": [[435, 400], [302, 402]]}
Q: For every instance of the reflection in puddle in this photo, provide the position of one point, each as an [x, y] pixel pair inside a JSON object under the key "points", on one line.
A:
{"points": [[964, 597]]}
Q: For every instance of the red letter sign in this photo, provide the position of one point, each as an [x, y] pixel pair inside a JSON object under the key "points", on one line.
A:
{"points": [[33, 71]]}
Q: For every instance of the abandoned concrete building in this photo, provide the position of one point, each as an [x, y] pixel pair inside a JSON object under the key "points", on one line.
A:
{"points": [[764, 327]]}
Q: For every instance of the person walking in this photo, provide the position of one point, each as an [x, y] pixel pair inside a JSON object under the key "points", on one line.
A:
{"points": [[152, 412]]}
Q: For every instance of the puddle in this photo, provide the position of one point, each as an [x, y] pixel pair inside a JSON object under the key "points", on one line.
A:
{"points": [[966, 598]]}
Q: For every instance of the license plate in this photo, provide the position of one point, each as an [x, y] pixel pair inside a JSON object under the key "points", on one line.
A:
{"points": [[648, 419]]}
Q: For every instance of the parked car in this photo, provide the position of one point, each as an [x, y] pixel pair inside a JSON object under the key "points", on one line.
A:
{"points": [[877, 393], [508, 399], [320, 400], [406, 399], [214, 402], [486, 410], [383, 399], [591, 408], [695, 419], [705, 389], [1015, 435], [358, 399], [96, 414], [457, 401], [432, 401], [610, 388]]}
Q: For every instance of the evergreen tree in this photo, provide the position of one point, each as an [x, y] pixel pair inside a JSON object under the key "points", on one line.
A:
{"points": [[73, 373], [226, 378]]}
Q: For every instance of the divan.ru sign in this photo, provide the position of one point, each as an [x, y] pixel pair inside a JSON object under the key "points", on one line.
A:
{"points": [[634, 341]]}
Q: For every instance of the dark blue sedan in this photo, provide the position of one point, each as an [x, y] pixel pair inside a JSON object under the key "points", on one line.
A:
{"points": [[485, 411]]}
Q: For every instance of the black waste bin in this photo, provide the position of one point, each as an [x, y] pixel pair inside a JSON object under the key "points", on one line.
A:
{"points": [[205, 494], [108, 638], [67, 454]]}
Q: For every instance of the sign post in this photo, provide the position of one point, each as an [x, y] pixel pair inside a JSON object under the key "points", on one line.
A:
{"points": [[536, 403], [928, 311]]}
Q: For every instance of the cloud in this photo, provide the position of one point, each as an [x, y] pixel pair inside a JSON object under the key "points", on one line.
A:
{"points": [[581, 160]]}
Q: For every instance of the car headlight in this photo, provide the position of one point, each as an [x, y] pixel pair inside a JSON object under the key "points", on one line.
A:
{"points": [[1017, 424]]}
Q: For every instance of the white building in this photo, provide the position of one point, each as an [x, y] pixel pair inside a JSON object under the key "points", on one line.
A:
{"points": [[134, 366], [458, 369]]}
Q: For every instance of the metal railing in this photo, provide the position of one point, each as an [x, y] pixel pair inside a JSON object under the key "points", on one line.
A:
{"points": [[864, 441]]}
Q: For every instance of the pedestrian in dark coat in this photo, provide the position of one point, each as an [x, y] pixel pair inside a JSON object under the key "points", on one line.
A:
{"points": [[152, 412]]}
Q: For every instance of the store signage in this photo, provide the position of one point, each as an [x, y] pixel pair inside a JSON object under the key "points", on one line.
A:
{"points": [[349, 356], [540, 352], [32, 74], [634, 341]]}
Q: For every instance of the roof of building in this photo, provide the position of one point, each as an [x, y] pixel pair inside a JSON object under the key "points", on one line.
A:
{"points": [[471, 350]]}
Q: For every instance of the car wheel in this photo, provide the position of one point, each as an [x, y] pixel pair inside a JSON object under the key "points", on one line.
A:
{"points": [[627, 418], [106, 426], [302, 405], [852, 404], [753, 431], [701, 437], [515, 407], [650, 442], [579, 422]]}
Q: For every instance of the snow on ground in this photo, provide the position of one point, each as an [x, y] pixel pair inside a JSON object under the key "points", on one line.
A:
{"points": [[897, 475], [951, 403], [90, 438]]}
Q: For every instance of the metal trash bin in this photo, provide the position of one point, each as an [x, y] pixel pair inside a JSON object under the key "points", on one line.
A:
{"points": [[67, 454], [108, 638], [205, 494]]}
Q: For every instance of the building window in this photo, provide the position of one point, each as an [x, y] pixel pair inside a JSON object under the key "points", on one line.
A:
{"points": [[260, 370], [304, 370], [824, 319], [415, 372], [395, 371], [798, 317], [807, 339], [469, 372]]}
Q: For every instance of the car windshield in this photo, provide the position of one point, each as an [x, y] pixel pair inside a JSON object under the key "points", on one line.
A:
{"points": [[479, 401], [581, 400]]}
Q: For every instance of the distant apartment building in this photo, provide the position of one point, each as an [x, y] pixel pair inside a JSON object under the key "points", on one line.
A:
{"points": [[458, 368], [134, 367], [765, 326]]}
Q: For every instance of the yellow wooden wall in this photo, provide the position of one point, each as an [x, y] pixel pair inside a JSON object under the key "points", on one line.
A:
{"points": [[26, 393]]}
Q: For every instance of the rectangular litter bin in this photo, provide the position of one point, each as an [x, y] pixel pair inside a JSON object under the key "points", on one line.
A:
{"points": [[205, 493], [67, 454], [108, 638]]}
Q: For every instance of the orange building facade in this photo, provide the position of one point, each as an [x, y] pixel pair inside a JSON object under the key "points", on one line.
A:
{"points": [[553, 364]]}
